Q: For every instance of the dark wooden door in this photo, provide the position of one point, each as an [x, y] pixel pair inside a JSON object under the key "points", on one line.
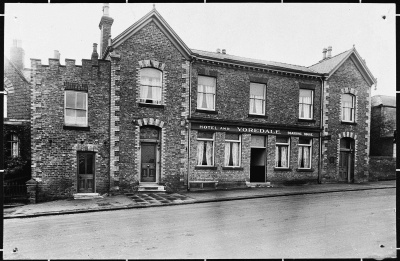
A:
{"points": [[148, 169], [86, 171]]}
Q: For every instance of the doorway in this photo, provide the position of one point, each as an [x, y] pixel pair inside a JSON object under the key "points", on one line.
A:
{"points": [[258, 156], [86, 171], [149, 153], [346, 160]]}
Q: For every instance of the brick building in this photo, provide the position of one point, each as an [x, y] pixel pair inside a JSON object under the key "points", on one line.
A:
{"points": [[16, 112], [383, 127], [161, 115]]}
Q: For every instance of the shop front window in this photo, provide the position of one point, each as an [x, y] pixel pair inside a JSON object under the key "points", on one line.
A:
{"points": [[232, 150], [304, 153], [205, 149], [282, 151]]}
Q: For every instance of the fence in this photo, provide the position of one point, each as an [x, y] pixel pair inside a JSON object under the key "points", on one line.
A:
{"points": [[15, 191]]}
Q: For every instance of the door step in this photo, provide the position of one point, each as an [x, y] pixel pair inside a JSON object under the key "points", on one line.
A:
{"points": [[151, 188], [87, 196], [258, 184]]}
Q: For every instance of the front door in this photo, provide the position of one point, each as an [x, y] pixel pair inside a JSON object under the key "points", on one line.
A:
{"points": [[86, 171], [148, 168], [258, 155], [346, 160]]}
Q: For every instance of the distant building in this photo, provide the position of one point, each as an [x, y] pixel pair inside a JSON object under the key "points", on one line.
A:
{"points": [[150, 113], [17, 115], [383, 127]]}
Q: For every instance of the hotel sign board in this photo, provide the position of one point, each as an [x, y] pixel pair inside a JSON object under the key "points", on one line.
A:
{"points": [[253, 130]]}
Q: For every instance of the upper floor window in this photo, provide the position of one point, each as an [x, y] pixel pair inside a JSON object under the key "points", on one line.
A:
{"points": [[206, 93], [150, 86], [12, 149], [205, 148], [305, 153], [76, 109], [348, 105], [306, 104], [232, 150], [282, 152], [257, 98]]}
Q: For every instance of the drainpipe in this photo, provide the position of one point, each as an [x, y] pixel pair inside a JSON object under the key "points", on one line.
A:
{"points": [[322, 128], [189, 123]]}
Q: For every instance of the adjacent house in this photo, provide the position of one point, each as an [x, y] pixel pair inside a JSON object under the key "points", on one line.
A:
{"points": [[150, 113]]}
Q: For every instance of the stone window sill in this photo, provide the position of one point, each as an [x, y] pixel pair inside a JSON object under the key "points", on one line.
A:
{"points": [[305, 170], [257, 116], [151, 105], [306, 120], [67, 127], [282, 169], [206, 167], [349, 123], [206, 111], [232, 168]]}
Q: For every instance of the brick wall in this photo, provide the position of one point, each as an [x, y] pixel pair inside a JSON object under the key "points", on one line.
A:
{"points": [[54, 148], [149, 47], [383, 124], [382, 168], [347, 79]]}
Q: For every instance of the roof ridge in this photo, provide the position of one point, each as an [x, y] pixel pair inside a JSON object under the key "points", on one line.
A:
{"points": [[330, 58]]}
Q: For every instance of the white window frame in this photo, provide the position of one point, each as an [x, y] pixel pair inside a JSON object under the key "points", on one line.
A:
{"points": [[214, 94], [309, 104], [301, 146], [154, 101], [239, 141], [213, 149], [264, 98], [85, 109], [279, 144], [353, 108]]}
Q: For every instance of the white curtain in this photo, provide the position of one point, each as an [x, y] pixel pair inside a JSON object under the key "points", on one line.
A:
{"points": [[347, 114], [284, 156], [15, 146], [200, 96], [306, 157], [347, 102], [209, 153], [227, 153], [305, 107], [200, 151], [144, 89], [235, 153], [209, 90], [256, 106]]}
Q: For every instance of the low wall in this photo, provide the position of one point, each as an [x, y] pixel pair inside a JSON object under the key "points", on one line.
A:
{"points": [[382, 168]]}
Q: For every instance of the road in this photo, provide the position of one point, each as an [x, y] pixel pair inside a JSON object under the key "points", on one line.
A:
{"points": [[337, 225]]}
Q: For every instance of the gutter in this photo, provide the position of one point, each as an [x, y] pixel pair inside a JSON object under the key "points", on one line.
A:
{"points": [[322, 102]]}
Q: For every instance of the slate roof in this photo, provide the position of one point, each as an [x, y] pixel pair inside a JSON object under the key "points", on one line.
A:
{"points": [[383, 100], [232, 58], [327, 65]]}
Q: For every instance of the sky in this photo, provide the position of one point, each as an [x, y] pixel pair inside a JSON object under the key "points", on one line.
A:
{"points": [[287, 33]]}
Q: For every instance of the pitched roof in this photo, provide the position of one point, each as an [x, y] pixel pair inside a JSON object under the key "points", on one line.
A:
{"points": [[233, 58], [153, 16], [21, 74], [383, 100], [329, 66]]}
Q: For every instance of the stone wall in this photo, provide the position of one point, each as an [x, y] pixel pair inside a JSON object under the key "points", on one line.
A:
{"points": [[382, 168]]}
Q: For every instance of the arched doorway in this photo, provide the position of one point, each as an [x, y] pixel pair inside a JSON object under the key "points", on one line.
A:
{"points": [[150, 153], [346, 159]]}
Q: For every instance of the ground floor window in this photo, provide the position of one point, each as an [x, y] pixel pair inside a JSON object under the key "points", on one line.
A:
{"points": [[12, 149], [205, 148], [282, 151], [304, 153], [232, 150]]}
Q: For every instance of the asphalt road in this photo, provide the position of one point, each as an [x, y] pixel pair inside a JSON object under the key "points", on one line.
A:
{"points": [[338, 225]]}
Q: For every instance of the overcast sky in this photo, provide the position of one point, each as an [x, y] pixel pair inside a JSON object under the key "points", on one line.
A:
{"points": [[288, 33]]}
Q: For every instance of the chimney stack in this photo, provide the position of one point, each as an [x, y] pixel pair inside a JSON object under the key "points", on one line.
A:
{"points": [[324, 54], [56, 54], [95, 55], [105, 27], [218, 50], [17, 54], [223, 51], [329, 52]]}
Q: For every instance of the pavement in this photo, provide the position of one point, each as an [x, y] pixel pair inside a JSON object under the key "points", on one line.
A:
{"points": [[143, 200]]}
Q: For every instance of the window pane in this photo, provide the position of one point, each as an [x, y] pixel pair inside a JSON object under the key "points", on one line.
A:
{"points": [[89, 163], [81, 159], [257, 90], [206, 81], [230, 136], [149, 76], [257, 141], [348, 99], [282, 139], [69, 113], [304, 141], [205, 135], [81, 100], [70, 99]]}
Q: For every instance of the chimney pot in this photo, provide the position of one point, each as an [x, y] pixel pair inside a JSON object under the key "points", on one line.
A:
{"points": [[56, 54], [324, 54], [95, 55], [223, 51], [329, 52], [218, 50], [105, 10], [17, 54]]}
